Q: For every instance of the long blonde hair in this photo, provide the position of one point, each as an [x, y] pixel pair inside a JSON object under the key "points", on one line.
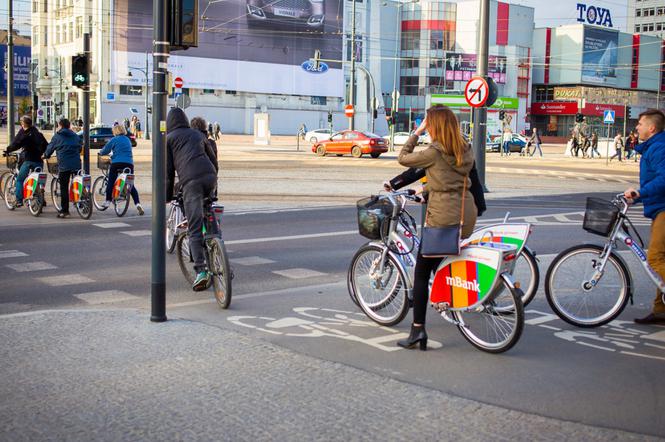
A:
{"points": [[443, 127]]}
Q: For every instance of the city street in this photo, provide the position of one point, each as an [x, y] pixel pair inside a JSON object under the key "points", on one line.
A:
{"points": [[290, 229]]}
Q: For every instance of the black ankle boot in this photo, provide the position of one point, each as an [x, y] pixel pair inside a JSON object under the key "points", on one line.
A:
{"points": [[417, 335]]}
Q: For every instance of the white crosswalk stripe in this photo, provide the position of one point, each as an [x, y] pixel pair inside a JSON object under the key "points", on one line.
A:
{"points": [[62, 280], [111, 225], [11, 254], [31, 266]]}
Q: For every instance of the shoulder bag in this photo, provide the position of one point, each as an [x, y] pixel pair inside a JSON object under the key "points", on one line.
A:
{"points": [[438, 242]]}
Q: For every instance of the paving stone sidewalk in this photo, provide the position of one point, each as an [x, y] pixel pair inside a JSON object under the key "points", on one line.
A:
{"points": [[113, 375]]}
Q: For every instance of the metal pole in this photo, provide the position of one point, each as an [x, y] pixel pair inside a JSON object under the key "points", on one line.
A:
{"points": [[147, 88], [86, 108], [373, 87], [607, 151], [352, 86], [480, 115], [160, 57], [394, 99], [625, 118], [62, 99], [10, 71]]}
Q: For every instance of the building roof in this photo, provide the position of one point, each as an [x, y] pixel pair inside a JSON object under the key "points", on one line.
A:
{"points": [[19, 40]]}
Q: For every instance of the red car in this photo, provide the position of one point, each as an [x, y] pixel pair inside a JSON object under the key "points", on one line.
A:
{"points": [[354, 142]]}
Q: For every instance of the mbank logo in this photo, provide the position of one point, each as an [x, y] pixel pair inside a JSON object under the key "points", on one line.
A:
{"points": [[456, 281]]}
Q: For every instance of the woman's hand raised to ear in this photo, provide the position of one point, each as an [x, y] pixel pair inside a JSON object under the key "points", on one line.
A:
{"points": [[422, 128]]}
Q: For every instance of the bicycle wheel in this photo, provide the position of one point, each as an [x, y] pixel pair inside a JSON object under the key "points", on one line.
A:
{"points": [[573, 299], [99, 192], [527, 273], [220, 271], [171, 233], [3, 177], [185, 260], [84, 205], [36, 204], [55, 193], [121, 204], [10, 192], [496, 325], [382, 297]]}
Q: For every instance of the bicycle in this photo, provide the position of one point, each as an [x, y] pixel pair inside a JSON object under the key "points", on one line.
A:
{"points": [[121, 188], [79, 190], [174, 221], [474, 290], [33, 187], [216, 257], [588, 285]]}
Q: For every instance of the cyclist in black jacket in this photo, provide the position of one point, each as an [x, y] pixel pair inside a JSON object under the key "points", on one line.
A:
{"points": [[187, 155], [34, 144]]}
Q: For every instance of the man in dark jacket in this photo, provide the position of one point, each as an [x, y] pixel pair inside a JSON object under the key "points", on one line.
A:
{"points": [[187, 155], [535, 141], [34, 144], [67, 146], [650, 129]]}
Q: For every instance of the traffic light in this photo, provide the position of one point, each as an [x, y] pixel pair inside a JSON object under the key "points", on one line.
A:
{"points": [[502, 115], [628, 111], [579, 117], [329, 117], [375, 113], [183, 24], [80, 71], [493, 92]]}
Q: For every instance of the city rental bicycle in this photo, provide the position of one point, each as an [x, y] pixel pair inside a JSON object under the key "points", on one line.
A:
{"points": [[589, 285], [33, 187], [174, 222], [474, 290], [80, 194], [217, 259], [121, 188]]}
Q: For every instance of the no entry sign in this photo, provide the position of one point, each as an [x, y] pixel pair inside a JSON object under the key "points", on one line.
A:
{"points": [[476, 92], [178, 82], [348, 110]]}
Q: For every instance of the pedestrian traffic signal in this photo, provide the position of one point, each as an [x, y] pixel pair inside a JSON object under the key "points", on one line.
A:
{"points": [[183, 24], [329, 117], [502, 115], [628, 111], [579, 117], [80, 71]]}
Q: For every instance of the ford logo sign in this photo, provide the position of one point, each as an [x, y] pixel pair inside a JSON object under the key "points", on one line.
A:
{"points": [[308, 66]]}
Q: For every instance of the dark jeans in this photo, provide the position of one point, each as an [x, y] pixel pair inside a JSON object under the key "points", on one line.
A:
{"points": [[63, 177], [421, 277], [23, 173], [193, 193], [113, 175]]}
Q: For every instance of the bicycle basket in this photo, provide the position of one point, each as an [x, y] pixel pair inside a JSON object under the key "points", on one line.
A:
{"points": [[372, 212], [103, 162], [52, 165], [600, 216], [11, 161]]}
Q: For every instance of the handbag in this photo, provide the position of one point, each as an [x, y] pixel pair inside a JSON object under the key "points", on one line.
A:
{"points": [[438, 242]]}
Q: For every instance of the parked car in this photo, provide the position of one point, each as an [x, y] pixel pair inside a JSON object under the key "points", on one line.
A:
{"points": [[100, 135], [425, 139], [318, 135], [400, 138], [517, 142], [309, 14], [493, 143], [355, 142]]}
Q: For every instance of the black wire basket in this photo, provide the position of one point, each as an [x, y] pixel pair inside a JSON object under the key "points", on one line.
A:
{"points": [[600, 216], [12, 160], [103, 162], [52, 165], [372, 214]]}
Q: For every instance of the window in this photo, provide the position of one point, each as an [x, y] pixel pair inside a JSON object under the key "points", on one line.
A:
{"points": [[350, 136], [436, 63], [79, 27], [45, 35], [638, 28], [436, 40], [71, 31], [131, 90], [64, 33], [409, 63], [409, 85], [659, 26], [231, 92], [638, 13], [651, 27], [208, 91], [57, 34], [35, 5], [660, 11], [652, 11], [35, 35], [410, 40]]}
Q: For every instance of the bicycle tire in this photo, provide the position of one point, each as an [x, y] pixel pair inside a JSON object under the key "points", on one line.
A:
{"points": [[84, 205], [220, 271], [606, 311], [10, 192], [171, 233], [185, 261], [3, 177], [121, 204], [55, 194], [389, 307], [506, 321], [36, 204], [526, 271], [99, 192]]}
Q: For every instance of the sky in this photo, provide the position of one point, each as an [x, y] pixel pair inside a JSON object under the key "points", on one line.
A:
{"points": [[561, 12]]}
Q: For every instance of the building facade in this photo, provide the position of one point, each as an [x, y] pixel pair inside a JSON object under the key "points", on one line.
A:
{"points": [[647, 17]]}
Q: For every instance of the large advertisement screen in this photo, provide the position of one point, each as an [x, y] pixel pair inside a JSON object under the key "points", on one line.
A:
{"points": [[461, 67], [260, 46], [21, 71], [599, 58]]}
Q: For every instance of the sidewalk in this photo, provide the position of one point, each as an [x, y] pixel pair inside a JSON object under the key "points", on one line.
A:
{"points": [[112, 375]]}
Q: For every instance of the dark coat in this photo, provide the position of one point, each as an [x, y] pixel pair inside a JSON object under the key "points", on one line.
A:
{"points": [[186, 152], [67, 146], [33, 143]]}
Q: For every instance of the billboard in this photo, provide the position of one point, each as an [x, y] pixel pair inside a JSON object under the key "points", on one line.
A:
{"points": [[257, 46], [21, 71], [599, 56], [461, 67]]}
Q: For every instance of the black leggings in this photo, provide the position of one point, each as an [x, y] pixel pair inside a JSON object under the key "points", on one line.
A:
{"points": [[64, 177], [422, 274], [113, 174]]}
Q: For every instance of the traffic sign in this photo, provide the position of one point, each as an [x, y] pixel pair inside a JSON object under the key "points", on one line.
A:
{"points": [[183, 101], [476, 92], [608, 116], [178, 82], [348, 110]]}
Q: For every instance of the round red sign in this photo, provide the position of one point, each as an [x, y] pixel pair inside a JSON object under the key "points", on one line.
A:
{"points": [[348, 110], [178, 82]]}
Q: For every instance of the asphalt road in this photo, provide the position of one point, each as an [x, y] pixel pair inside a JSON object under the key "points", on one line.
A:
{"points": [[290, 267]]}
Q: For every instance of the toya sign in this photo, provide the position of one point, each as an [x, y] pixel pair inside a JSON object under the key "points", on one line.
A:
{"points": [[594, 15]]}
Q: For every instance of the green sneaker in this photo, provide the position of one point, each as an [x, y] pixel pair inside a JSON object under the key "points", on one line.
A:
{"points": [[201, 282]]}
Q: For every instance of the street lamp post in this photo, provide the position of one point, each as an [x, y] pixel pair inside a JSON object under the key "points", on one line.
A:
{"points": [[352, 88], [145, 72]]}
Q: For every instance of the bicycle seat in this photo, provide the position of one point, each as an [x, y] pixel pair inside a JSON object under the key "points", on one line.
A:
{"points": [[207, 201]]}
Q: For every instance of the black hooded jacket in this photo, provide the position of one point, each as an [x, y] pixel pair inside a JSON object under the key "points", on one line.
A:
{"points": [[186, 152], [33, 143]]}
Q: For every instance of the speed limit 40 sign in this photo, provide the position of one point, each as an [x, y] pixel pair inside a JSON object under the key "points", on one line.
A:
{"points": [[476, 92]]}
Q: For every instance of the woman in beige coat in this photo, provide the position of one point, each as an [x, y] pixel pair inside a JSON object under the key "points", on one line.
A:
{"points": [[448, 161]]}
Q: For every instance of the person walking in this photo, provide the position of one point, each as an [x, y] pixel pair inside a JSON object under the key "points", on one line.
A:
{"points": [[137, 126], [535, 141], [618, 146], [631, 143], [210, 130], [650, 129], [187, 155], [507, 138], [594, 144], [218, 131], [121, 150], [448, 162], [199, 124], [33, 144], [67, 146]]}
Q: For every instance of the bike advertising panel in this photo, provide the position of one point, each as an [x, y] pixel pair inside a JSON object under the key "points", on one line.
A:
{"points": [[245, 45], [599, 57]]}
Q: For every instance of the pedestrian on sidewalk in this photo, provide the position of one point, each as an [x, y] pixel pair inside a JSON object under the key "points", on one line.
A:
{"points": [[650, 129], [218, 131], [594, 144], [618, 146], [535, 141], [33, 144], [631, 144], [507, 138], [199, 124], [67, 146], [121, 149]]}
